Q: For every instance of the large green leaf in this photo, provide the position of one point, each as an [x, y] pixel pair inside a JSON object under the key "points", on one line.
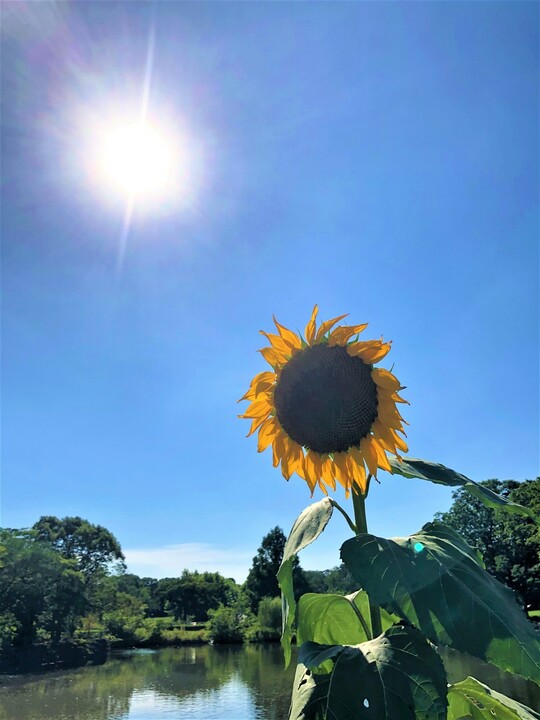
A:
{"points": [[440, 474], [397, 676], [472, 700], [336, 619], [434, 580], [307, 528]]}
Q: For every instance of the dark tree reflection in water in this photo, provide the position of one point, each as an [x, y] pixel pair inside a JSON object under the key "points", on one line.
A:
{"points": [[225, 682]]}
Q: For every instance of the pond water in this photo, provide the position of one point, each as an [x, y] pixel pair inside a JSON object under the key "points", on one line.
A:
{"points": [[229, 682], [226, 682]]}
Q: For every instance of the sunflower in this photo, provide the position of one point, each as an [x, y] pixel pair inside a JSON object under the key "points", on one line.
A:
{"points": [[327, 412]]}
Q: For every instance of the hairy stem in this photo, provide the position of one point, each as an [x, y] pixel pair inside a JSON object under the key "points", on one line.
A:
{"points": [[359, 505]]}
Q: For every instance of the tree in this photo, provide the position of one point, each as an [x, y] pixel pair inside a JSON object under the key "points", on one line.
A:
{"points": [[508, 543], [39, 589], [144, 589], [124, 616], [269, 615], [337, 580], [93, 547], [193, 594], [262, 578]]}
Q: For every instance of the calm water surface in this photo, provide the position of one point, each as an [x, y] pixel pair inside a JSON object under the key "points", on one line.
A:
{"points": [[229, 683]]}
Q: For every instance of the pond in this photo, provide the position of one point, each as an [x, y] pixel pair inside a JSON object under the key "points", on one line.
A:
{"points": [[226, 682]]}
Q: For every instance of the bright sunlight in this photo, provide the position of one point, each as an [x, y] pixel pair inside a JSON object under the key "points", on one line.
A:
{"points": [[138, 160], [141, 162]]}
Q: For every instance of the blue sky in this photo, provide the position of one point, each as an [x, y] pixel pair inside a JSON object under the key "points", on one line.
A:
{"points": [[379, 159]]}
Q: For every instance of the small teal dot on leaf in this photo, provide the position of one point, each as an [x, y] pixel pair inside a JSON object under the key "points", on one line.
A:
{"points": [[418, 547]]}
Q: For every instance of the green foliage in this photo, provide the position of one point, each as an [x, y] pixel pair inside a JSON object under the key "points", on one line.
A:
{"points": [[269, 613], [307, 528], [92, 547], [441, 475], [509, 544], [397, 676], [336, 619], [436, 582], [262, 581], [41, 590], [337, 580], [229, 624], [125, 617], [10, 629], [472, 700], [194, 594]]}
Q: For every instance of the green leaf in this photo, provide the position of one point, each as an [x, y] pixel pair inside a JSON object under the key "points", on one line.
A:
{"points": [[472, 700], [440, 474], [397, 676], [434, 580], [336, 619], [307, 528]]}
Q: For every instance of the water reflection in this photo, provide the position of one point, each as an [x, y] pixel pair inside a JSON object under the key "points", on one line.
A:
{"points": [[233, 683], [229, 683], [459, 666]]}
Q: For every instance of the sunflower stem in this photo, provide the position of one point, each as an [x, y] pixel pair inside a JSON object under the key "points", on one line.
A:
{"points": [[359, 504]]}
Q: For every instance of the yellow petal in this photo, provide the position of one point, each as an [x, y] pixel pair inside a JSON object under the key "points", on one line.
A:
{"points": [[369, 454], [273, 357], [400, 444], [374, 356], [312, 466], [370, 352], [288, 335], [305, 475], [257, 422], [388, 397], [356, 463], [278, 449], [384, 436], [341, 469], [342, 334], [382, 460], [251, 394], [266, 433], [258, 408], [322, 487], [263, 377], [389, 416], [296, 457], [277, 342], [388, 438], [327, 325], [286, 469], [327, 472], [385, 379], [311, 326]]}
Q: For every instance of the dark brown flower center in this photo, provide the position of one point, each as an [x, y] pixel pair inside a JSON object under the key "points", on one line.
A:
{"points": [[325, 399]]}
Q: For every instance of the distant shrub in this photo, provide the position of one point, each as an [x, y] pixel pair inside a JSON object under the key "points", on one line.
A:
{"points": [[269, 614], [229, 624], [9, 629]]}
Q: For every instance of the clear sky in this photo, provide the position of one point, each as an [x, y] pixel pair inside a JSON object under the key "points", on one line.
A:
{"points": [[380, 159]]}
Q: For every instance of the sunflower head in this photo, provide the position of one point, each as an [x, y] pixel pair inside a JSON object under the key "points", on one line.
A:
{"points": [[327, 412]]}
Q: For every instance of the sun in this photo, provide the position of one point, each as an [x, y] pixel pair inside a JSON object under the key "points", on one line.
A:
{"points": [[137, 159]]}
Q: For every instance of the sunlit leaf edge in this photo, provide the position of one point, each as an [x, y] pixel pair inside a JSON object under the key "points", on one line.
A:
{"points": [[306, 528], [474, 692], [442, 475]]}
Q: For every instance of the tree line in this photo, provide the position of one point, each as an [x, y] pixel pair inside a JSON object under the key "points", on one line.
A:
{"points": [[66, 579]]}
